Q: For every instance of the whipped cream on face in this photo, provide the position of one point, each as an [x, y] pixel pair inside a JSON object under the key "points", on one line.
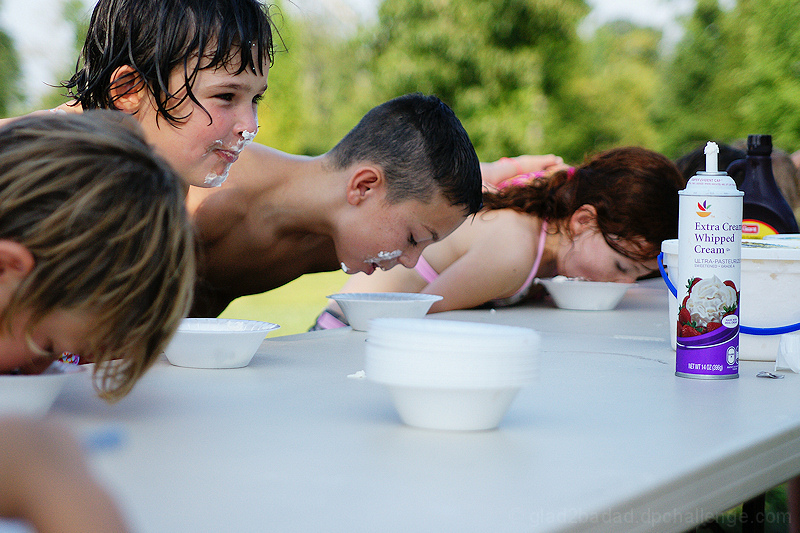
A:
{"points": [[345, 269], [247, 138], [384, 256], [214, 179], [709, 299]]}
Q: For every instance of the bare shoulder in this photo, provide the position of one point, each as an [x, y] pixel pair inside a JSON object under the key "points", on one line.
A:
{"points": [[259, 166], [221, 212], [494, 224], [505, 234], [502, 236]]}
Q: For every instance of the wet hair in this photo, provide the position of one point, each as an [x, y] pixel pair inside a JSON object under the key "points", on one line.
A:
{"points": [[633, 190], [154, 37], [105, 221], [421, 146]]}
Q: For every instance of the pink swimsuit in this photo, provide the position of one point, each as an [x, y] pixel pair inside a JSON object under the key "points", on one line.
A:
{"points": [[428, 273]]}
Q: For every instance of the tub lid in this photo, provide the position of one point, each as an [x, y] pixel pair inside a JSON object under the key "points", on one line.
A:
{"points": [[752, 249]]}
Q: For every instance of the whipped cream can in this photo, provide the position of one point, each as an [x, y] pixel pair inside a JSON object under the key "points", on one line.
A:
{"points": [[709, 256]]}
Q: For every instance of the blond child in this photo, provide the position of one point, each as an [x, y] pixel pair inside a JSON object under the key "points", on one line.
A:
{"points": [[96, 251]]}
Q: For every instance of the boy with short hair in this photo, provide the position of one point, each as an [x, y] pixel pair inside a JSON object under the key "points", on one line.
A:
{"points": [[406, 176]]}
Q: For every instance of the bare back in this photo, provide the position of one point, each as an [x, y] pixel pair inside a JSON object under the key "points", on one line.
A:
{"points": [[249, 242]]}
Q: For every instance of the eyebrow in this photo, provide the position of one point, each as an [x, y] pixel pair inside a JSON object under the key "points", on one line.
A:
{"points": [[233, 85], [434, 234]]}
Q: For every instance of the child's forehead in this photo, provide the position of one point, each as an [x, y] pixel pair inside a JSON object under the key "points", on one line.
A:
{"points": [[212, 71], [230, 61], [228, 65]]}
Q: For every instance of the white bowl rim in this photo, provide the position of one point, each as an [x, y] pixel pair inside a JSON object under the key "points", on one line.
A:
{"points": [[427, 326], [575, 281], [192, 325], [384, 297], [56, 370]]}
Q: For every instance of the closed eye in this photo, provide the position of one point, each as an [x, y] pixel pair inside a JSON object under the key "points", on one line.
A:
{"points": [[411, 241], [38, 350]]}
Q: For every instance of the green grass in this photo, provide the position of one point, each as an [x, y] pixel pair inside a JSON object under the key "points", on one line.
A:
{"points": [[294, 307]]}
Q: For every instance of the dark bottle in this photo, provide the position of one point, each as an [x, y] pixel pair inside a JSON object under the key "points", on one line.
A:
{"points": [[766, 211]]}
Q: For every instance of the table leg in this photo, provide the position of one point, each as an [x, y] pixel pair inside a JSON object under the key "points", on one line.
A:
{"points": [[753, 515], [793, 497]]}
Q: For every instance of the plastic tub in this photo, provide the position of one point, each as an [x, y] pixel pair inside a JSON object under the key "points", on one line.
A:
{"points": [[770, 277]]}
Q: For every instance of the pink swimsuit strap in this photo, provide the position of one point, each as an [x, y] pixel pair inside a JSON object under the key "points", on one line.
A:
{"points": [[425, 270], [536, 263]]}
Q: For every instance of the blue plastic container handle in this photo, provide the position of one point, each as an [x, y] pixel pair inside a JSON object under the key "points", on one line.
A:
{"points": [[743, 329]]}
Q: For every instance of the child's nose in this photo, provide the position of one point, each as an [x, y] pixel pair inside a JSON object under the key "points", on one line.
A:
{"points": [[409, 259], [248, 125]]}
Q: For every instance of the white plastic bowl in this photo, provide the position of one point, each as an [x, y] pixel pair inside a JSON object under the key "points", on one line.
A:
{"points": [[770, 278], [34, 395], [445, 374], [452, 409], [360, 307], [216, 342], [582, 295]]}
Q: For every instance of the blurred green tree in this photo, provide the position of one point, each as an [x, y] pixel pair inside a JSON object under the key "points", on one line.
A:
{"points": [[698, 102], [10, 76], [609, 96], [318, 86], [502, 65], [734, 73], [765, 69], [77, 15]]}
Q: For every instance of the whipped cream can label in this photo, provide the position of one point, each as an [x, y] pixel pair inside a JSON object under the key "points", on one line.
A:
{"points": [[709, 256]]}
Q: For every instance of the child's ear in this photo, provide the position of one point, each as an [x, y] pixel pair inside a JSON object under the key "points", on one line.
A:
{"points": [[584, 218], [127, 90], [366, 181], [16, 262]]}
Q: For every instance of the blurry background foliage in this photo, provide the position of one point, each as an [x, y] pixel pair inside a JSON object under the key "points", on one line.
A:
{"points": [[522, 75], [523, 78]]}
